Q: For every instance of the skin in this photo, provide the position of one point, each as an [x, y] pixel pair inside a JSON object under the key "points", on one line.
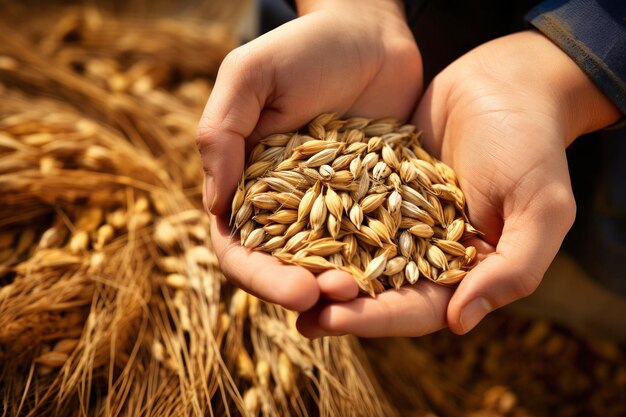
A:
{"points": [[503, 125], [501, 116], [277, 83]]}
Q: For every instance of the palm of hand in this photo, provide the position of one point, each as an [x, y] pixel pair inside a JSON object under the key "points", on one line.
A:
{"points": [[509, 153], [507, 145], [277, 83], [507, 150], [339, 64]]}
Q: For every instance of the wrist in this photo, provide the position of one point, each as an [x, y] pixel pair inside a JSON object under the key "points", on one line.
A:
{"points": [[380, 8], [583, 107]]}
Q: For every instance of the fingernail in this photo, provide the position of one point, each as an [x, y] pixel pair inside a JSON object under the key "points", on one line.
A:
{"points": [[309, 331], [309, 328], [474, 312], [315, 336], [319, 333], [209, 193]]}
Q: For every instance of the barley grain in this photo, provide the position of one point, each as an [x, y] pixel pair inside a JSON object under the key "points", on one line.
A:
{"points": [[404, 212]]}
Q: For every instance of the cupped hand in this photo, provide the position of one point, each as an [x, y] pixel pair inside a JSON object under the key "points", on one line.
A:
{"points": [[501, 116], [335, 58]]}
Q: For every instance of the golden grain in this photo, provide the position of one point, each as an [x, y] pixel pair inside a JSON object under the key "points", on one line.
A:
{"points": [[52, 359], [404, 210]]}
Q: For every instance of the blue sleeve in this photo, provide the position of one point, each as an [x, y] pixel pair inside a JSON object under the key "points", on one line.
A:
{"points": [[592, 33]]}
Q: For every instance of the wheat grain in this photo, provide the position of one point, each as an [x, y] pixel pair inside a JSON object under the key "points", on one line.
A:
{"points": [[358, 195], [141, 321]]}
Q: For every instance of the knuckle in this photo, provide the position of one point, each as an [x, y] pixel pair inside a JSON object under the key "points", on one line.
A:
{"points": [[235, 58], [561, 204], [568, 207], [242, 64], [409, 53], [297, 294], [206, 137], [526, 281], [561, 197]]}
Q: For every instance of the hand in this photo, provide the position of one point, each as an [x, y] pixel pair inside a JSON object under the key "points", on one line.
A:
{"points": [[336, 58], [501, 116]]}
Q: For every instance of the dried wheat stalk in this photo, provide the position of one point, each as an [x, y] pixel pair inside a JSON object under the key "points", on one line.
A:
{"points": [[111, 299], [357, 195]]}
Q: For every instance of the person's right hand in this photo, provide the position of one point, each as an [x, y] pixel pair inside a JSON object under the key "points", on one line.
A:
{"points": [[501, 116], [338, 57]]}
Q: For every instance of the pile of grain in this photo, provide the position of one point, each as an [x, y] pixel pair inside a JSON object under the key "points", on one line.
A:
{"points": [[111, 300], [357, 195]]}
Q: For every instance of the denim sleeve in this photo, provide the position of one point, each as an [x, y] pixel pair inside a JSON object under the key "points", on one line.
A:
{"points": [[593, 34]]}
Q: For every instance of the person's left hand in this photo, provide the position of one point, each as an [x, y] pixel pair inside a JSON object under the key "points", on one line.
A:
{"points": [[501, 116], [334, 58]]}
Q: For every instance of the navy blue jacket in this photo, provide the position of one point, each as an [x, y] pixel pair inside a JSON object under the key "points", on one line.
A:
{"points": [[592, 33]]}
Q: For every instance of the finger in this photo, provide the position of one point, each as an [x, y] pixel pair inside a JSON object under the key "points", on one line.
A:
{"points": [[530, 240], [430, 116], [337, 285], [231, 114], [412, 311], [262, 275], [483, 249]]}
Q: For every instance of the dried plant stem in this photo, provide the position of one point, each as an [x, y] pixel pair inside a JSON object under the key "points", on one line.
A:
{"points": [[111, 299]]}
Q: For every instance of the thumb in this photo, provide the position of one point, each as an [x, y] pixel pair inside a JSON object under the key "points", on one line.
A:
{"points": [[530, 240], [430, 116], [230, 116]]}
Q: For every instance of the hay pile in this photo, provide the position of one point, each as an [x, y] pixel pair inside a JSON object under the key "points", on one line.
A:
{"points": [[111, 300]]}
